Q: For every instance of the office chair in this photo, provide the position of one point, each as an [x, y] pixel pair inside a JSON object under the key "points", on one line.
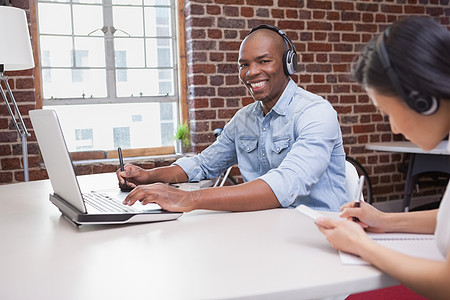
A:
{"points": [[225, 176], [360, 170], [351, 180]]}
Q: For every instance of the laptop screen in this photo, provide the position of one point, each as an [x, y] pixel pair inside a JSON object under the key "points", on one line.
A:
{"points": [[56, 157]]}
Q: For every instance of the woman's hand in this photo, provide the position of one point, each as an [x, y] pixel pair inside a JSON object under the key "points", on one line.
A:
{"points": [[370, 218], [344, 235]]}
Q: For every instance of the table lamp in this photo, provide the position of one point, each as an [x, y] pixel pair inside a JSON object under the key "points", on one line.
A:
{"points": [[15, 54]]}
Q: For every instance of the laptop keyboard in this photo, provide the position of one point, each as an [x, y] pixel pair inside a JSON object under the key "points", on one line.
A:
{"points": [[104, 203]]}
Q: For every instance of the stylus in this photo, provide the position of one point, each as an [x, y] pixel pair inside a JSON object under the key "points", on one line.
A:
{"points": [[122, 168], [358, 195]]}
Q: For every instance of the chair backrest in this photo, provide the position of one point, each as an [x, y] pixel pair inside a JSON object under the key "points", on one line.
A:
{"points": [[351, 180]]}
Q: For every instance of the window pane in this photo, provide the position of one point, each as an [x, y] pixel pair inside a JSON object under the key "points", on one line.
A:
{"points": [[81, 62], [167, 132], [141, 82], [54, 18], [127, 2], [95, 47], [84, 139], [87, 19], [167, 115], [64, 83], [80, 59], [121, 64], [121, 117], [167, 111], [157, 2], [164, 57], [89, 1], [128, 20], [134, 49], [157, 21], [159, 52], [121, 137], [58, 51]]}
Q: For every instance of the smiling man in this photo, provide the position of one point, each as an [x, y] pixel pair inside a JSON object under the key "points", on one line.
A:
{"points": [[287, 144]]}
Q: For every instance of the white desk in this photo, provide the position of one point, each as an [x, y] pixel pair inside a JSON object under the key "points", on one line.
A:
{"points": [[273, 254], [436, 160], [408, 147]]}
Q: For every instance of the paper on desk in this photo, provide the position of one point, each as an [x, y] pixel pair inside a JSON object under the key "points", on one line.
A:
{"points": [[417, 245], [193, 186]]}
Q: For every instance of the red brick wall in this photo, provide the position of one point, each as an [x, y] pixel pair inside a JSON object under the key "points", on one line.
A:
{"points": [[327, 35], [22, 85]]}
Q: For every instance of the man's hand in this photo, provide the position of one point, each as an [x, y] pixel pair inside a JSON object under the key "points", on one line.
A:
{"points": [[166, 196], [134, 176]]}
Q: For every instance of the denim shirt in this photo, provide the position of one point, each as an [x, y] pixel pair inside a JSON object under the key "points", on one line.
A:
{"points": [[296, 149]]}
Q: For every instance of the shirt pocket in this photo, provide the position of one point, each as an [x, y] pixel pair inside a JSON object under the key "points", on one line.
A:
{"points": [[248, 161], [281, 143], [248, 144]]}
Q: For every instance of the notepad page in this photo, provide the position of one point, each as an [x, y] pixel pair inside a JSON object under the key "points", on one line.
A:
{"points": [[417, 245]]}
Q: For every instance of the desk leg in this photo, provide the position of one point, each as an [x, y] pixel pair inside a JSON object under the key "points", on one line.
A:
{"points": [[409, 183]]}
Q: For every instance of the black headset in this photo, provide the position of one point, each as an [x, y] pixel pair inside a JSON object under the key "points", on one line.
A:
{"points": [[290, 59], [423, 104]]}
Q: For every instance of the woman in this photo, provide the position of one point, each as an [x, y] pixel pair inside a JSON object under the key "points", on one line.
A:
{"points": [[406, 73]]}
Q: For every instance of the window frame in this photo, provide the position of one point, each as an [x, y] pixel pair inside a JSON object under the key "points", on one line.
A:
{"points": [[180, 84]]}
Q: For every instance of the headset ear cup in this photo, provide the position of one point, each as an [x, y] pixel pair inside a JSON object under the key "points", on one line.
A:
{"points": [[290, 59], [294, 62], [285, 63], [290, 62], [424, 105]]}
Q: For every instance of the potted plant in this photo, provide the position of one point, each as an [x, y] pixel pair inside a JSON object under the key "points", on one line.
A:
{"points": [[182, 138]]}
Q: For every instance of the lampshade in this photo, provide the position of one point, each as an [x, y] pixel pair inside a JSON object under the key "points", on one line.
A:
{"points": [[15, 46]]}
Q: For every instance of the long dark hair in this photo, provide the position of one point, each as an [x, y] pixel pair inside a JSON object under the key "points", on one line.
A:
{"points": [[419, 51]]}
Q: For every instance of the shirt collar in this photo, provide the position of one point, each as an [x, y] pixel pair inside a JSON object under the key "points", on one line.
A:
{"points": [[281, 107]]}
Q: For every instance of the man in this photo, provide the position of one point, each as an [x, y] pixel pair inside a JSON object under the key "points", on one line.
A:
{"points": [[287, 144]]}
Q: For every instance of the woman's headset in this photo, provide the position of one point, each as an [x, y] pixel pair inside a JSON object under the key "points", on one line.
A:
{"points": [[290, 59], [423, 104]]}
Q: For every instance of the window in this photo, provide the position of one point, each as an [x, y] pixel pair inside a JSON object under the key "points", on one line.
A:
{"points": [[110, 65], [121, 137], [80, 59], [84, 139]]}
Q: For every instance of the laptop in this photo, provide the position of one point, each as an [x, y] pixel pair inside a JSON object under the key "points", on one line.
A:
{"points": [[84, 208]]}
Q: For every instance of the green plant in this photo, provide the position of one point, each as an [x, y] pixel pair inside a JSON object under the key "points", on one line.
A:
{"points": [[183, 134]]}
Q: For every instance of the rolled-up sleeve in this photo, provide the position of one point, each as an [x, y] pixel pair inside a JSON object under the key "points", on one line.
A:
{"points": [[213, 160], [317, 133]]}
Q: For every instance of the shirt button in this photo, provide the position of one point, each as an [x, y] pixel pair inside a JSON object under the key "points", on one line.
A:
{"points": [[278, 149], [264, 129], [248, 149], [264, 155]]}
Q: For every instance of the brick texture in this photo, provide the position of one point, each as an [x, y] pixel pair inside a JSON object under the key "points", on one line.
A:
{"points": [[327, 34]]}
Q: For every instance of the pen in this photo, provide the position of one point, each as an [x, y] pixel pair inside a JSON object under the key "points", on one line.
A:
{"points": [[122, 168], [358, 194]]}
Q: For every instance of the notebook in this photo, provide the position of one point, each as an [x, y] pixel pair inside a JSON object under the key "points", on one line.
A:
{"points": [[67, 195], [417, 245]]}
